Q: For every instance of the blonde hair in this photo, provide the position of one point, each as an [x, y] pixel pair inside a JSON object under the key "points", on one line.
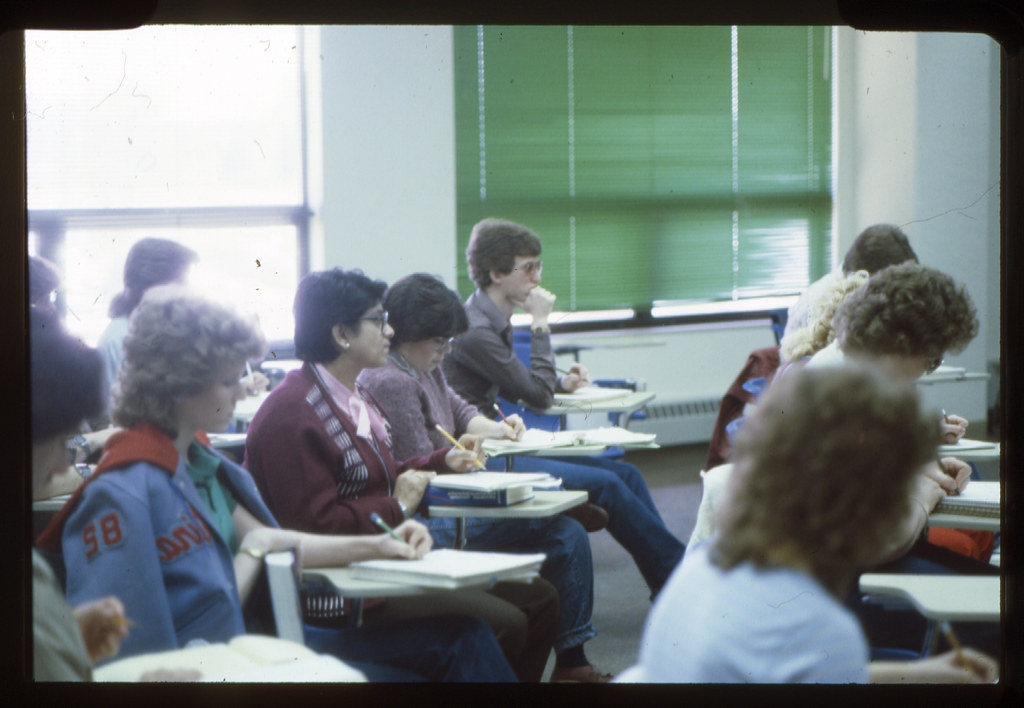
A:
{"points": [[177, 344], [818, 333], [822, 473]]}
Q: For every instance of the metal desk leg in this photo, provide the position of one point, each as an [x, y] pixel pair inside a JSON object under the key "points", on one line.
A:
{"points": [[357, 612], [460, 533]]}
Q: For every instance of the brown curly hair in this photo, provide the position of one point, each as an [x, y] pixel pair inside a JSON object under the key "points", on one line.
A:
{"points": [[818, 333], [494, 245], [822, 472], [907, 310], [177, 344]]}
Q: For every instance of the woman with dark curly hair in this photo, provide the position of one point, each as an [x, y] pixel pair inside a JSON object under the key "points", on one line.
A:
{"points": [[904, 321], [761, 602]]}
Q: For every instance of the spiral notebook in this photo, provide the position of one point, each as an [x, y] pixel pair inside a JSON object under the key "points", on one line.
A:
{"points": [[978, 499]]}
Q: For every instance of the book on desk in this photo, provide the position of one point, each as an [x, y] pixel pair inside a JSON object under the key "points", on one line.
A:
{"points": [[485, 488], [977, 499], [451, 569]]}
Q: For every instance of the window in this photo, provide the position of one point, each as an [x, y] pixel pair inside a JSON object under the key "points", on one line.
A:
{"points": [[658, 164], [191, 133]]}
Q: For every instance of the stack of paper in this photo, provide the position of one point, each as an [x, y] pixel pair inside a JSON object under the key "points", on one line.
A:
{"points": [[591, 394], [535, 440], [448, 568]]}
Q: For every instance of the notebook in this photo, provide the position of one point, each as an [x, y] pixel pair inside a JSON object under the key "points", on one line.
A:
{"points": [[591, 394], [978, 499], [451, 569]]}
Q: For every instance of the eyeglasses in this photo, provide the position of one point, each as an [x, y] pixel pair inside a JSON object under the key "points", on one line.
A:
{"points": [[531, 267], [441, 344], [382, 319], [933, 365]]}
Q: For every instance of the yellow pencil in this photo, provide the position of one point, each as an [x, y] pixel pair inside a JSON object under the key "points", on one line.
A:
{"points": [[957, 648], [456, 443]]}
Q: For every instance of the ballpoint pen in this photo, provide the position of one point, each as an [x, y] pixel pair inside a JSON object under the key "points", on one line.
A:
{"points": [[375, 518]]}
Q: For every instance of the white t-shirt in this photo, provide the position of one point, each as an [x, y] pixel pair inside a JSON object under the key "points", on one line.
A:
{"points": [[747, 625]]}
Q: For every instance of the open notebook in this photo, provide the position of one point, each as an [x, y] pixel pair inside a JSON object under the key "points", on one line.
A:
{"points": [[244, 659], [536, 440], [448, 568], [978, 499], [591, 394]]}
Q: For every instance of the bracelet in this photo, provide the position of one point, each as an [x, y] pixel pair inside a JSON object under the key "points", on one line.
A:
{"points": [[82, 444], [254, 552]]}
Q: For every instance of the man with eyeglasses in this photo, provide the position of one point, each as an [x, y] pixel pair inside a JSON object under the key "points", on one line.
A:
{"points": [[504, 261]]}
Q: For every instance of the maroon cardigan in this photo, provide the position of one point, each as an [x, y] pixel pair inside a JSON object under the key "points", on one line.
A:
{"points": [[312, 469]]}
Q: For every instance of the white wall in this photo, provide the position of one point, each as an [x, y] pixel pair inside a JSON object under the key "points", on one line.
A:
{"points": [[918, 140], [389, 150], [918, 126]]}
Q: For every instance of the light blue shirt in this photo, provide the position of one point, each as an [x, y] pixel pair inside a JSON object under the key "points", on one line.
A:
{"points": [[748, 625]]}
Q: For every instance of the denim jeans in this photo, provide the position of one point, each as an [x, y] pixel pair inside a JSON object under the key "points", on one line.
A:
{"points": [[438, 648], [619, 489], [569, 566]]}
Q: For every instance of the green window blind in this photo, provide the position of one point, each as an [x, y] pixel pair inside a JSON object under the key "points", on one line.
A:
{"points": [[656, 163]]}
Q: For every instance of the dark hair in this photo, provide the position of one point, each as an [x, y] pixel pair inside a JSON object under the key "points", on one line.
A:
{"points": [[326, 298], [907, 310], [67, 378], [150, 262], [421, 306], [494, 245], [43, 279], [877, 247], [810, 489]]}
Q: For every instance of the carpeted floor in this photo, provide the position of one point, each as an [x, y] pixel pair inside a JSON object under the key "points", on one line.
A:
{"points": [[621, 598]]}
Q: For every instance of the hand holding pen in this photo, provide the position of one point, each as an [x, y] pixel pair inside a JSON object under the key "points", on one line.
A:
{"points": [[513, 427], [953, 428], [459, 462], [413, 538]]}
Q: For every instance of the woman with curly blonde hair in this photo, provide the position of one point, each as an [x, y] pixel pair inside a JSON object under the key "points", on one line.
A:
{"points": [[178, 532], [818, 333], [810, 500]]}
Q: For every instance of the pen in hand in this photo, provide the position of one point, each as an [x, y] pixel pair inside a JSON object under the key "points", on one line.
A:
{"points": [[957, 648], [375, 518], [456, 443]]}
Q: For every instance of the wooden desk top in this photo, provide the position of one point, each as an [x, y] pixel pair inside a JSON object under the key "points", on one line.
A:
{"points": [[957, 598], [544, 503]]}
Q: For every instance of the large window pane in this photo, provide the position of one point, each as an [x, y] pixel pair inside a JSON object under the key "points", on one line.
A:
{"points": [[253, 269], [163, 116]]}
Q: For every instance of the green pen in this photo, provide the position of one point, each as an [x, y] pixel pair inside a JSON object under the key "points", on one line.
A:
{"points": [[375, 518]]}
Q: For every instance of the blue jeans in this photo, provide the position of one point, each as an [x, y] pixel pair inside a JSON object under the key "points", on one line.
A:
{"points": [[619, 489], [438, 648], [569, 566]]}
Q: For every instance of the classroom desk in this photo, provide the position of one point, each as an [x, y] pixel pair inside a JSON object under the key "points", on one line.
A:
{"points": [[940, 598], [544, 503], [972, 451], [357, 589], [947, 520], [245, 409], [52, 504], [622, 406]]}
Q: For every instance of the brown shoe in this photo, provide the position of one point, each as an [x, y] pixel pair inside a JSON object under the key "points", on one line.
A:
{"points": [[591, 516], [579, 674]]}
